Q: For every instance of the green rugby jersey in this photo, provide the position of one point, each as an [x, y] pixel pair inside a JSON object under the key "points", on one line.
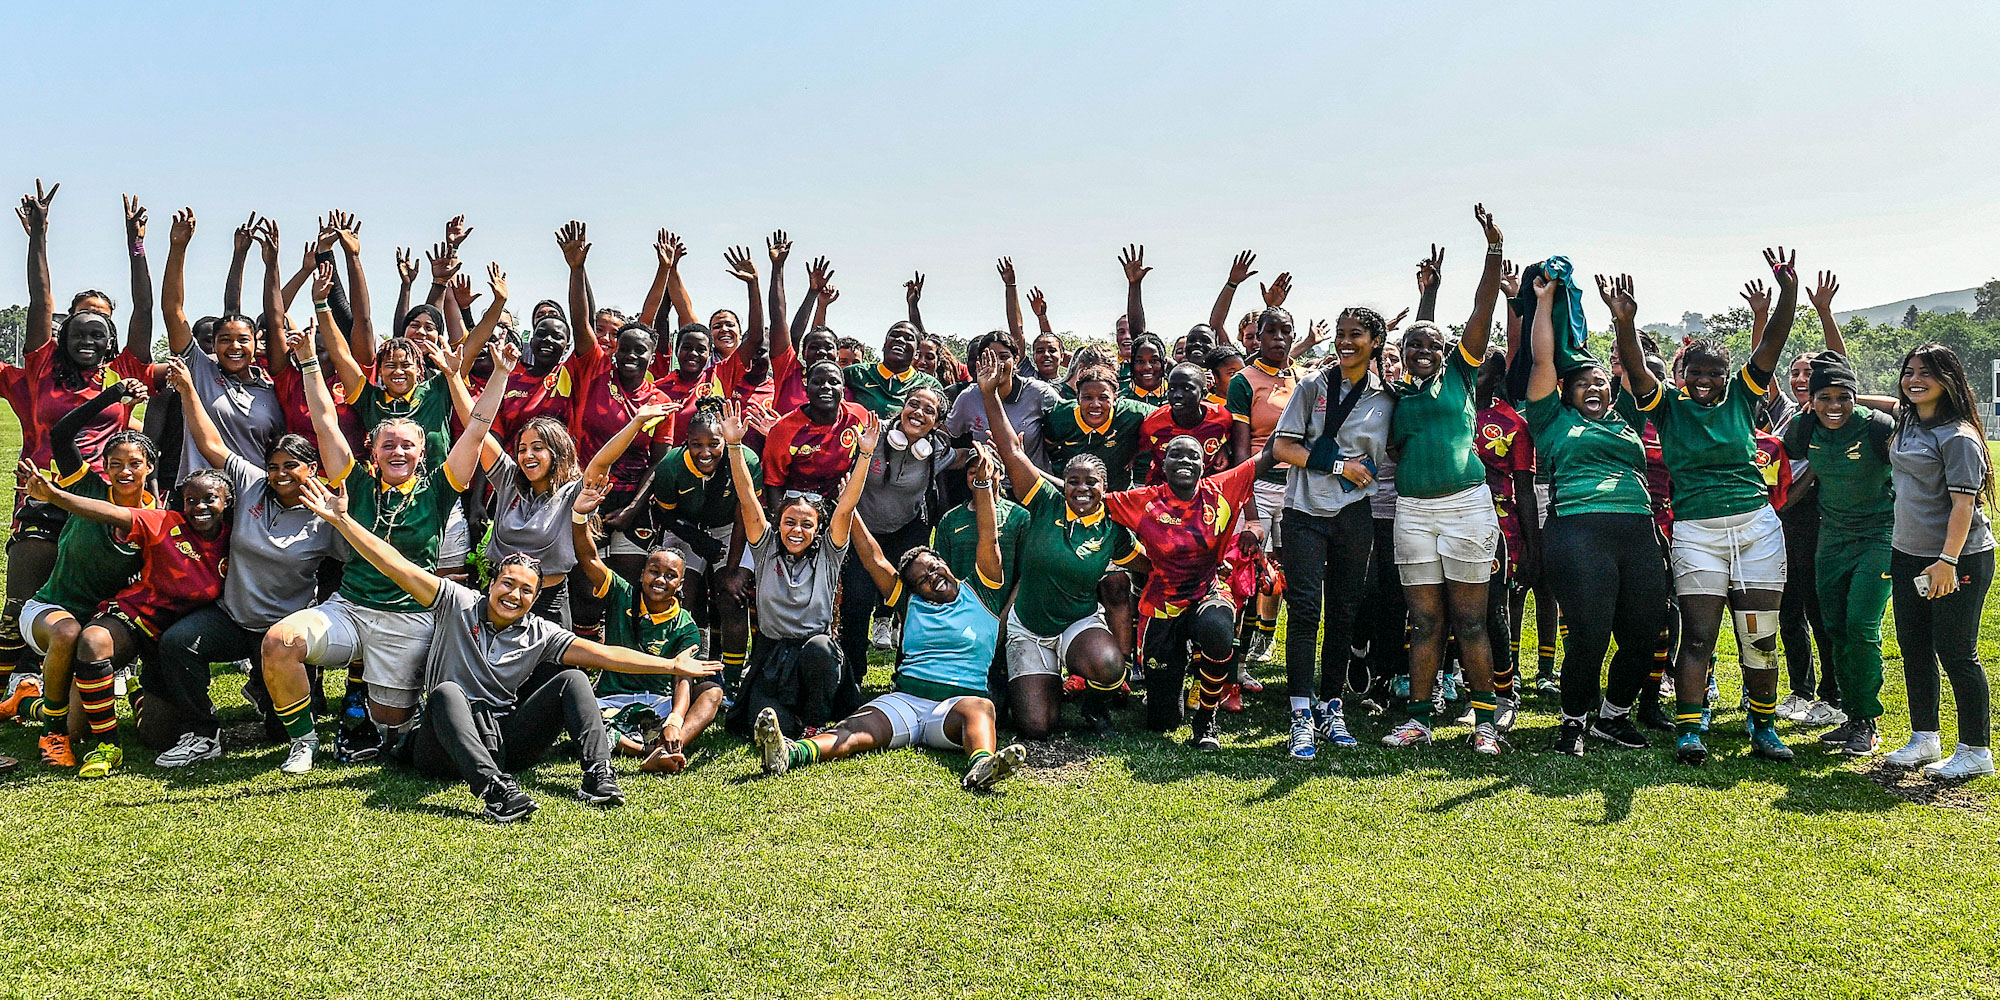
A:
{"points": [[1711, 451], [1065, 556], [627, 624], [1117, 441], [1433, 426]]}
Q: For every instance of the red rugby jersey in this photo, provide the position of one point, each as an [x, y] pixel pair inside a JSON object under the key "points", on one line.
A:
{"points": [[1184, 539]]}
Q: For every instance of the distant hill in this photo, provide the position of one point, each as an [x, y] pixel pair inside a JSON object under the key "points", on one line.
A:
{"points": [[1892, 312]]}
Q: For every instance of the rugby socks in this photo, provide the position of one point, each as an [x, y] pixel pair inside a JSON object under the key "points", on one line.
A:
{"points": [[1545, 660], [1267, 626], [732, 667], [1244, 630], [1214, 674], [1421, 711], [296, 718], [805, 752], [1687, 715], [52, 709], [1097, 697], [1763, 714], [978, 755], [1483, 706], [1503, 676], [100, 701]]}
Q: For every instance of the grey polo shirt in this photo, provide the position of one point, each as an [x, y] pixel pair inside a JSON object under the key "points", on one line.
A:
{"points": [[1364, 434], [246, 414], [274, 551], [1929, 464], [490, 663], [795, 596], [897, 482], [1027, 410], [530, 523]]}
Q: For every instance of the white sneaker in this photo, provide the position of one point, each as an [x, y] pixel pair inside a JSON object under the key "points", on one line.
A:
{"points": [[1965, 762], [299, 759], [192, 749], [881, 635], [1922, 749], [1410, 733], [1820, 713], [1260, 647], [1793, 708]]}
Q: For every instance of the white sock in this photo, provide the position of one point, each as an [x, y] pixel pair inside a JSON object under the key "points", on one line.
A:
{"points": [[1301, 704], [1606, 710]]}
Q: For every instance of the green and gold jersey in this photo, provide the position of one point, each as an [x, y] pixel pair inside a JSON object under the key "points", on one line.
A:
{"points": [[1711, 451], [409, 517], [92, 563], [1857, 497], [1065, 555], [681, 492], [956, 538], [1117, 441], [1432, 426], [883, 391], [627, 624]]}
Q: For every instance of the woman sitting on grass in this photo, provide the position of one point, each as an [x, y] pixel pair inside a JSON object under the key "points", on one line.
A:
{"points": [[949, 637], [477, 723]]}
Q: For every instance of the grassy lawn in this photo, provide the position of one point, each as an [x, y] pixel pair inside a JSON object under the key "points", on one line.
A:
{"points": [[1127, 868]]}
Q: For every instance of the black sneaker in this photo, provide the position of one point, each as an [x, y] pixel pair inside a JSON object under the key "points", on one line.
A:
{"points": [[1652, 716], [1207, 730], [505, 801], [1838, 735], [357, 743], [1619, 730], [600, 785], [1097, 716], [1569, 737], [1862, 739]]}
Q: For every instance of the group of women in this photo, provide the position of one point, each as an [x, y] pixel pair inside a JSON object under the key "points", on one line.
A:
{"points": [[719, 522]]}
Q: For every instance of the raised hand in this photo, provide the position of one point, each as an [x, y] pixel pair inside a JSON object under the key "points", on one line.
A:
{"points": [[406, 265], [178, 377], [831, 295], [1758, 295], [1276, 292], [595, 489], [135, 222], [1006, 269], [1493, 237], [669, 249], [322, 281], [741, 266], [1823, 292], [1510, 278], [650, 412], [443, 264], [1133, 260], [34, 210], [760, 417], [979, 468], [496, 280], [35, 481], [506, 354], [133, 390], [347, 229], [461, 290], [1617, 295], [1545, 290], [299, 342], [330, 505], [1784, 267], [733, 426], [992, 374], [779, 246], [1397, 320], [455, 231], [1240, 269], [1430, 271], [183, 228], [871, 426], [1315, 334], [819, 275], [572, 238], [326, 237], [913, 289], [1037, 303], [266, 237], [241, 239]]}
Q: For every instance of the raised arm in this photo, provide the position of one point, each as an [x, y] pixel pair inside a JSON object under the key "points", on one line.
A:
{"points": [[573, 240], [444, 264], [139, 332], [668, 255], [1822, 300], [63, 436], [1758, 296], [466, 452], [779, 246], [336, 456], [332, 508], [748, 509], [744, 269], [596, 486], [201, 427], [819, 274], [1430, 275], [406, 274], [1784, 271], [614, 449], [1617, 294], [1040, 304], [173, 284], [476, 340], [1012, 296], [987, 515], [322, 242], [826, 298], [1479, 328], [850, 491], [1510, 286], [361, 325], [1133, 260], [913, 292], [869, 553], [37, 483], [677, 292], [34, 214], [273, 297], [1542, 378], [1021, 473], [1241, 269], [239, 252]]}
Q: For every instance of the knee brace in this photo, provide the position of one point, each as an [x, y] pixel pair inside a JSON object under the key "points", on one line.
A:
{"points": [[1757, 639]]}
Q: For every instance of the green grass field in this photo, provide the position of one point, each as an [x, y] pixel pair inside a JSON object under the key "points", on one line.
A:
{"points": [[1130, 867]]}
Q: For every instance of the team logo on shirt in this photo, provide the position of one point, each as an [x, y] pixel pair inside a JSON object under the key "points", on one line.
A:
{"points": [[1854, 452], [1212, 446], [850, 438], [1497, 443], [185, 549]]}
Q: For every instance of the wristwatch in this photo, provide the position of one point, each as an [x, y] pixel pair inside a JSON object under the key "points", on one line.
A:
{"points": [[1339, 467]]}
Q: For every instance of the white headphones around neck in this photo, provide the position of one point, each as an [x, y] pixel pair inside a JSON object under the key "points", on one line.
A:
{"points": [[921, 449]]}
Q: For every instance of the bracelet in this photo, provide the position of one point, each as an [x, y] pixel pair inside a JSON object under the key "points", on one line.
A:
{"points": [[1947, 560], [577, 518], [1493, 248], [311, 365], [1231, 284], [319, 304], [987, 485], [138, 248]]}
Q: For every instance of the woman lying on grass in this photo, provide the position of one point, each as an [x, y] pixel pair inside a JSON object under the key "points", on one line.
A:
{"points": [[476, 722]]}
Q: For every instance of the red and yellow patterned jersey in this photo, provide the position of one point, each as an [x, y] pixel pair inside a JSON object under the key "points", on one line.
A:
{"points": [[1771, 456], [603, 408], [1212, 431], [813, 458], [1184, 539], [732, 375], [180, 570], [1501, 438], [40, 400], [528, 396]]}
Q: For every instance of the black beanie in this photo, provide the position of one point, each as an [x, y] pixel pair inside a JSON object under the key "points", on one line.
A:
{"points": [[1829, 368]]}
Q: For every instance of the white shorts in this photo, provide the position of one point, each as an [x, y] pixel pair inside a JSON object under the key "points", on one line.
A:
{"points": [[1717, 555], [913, 719], [457, 542], [34, 609], [392, 644], [1446, 538], [618, 543], [1541, 503], [1029, 654], [695, 563], [1270, 511]]}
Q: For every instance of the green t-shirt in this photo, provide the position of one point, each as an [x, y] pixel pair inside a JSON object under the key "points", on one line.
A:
{"points": [[1594, 466], [1857, 497], [410, 518], [1153, 400], [873, 387], [92, 563], [956, 538], [1433, 428], [429, 404], [1065, 557], [1116, 443], [627, 624], [680, 491], [1711, 451]]}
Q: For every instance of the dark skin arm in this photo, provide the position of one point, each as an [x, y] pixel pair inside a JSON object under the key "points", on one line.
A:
{"points": [[595, 488], [361, 330], [239, 252], [1822, 300], [1021, 473], [913, 291], [1240, 271], [406, 273], [744, 269], [63, 436], [444, 267], [1133, 260], [139, 332], [1617, 294], [1040, 305], [818, 274], [1479, 327], [1016, 332], [575, 246], [666, 247], [34, 215], [39, 487], [173, 284], [1785, 272], [779, 246], [1430, 274]]}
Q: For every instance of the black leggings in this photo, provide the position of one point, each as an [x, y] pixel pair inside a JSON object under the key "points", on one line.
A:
{"points": [[1326, 568], [1800, 626], [1944, 631], [1606, 572], [799, 679], [1209, 629], [178, 675], [1385, 615], [477, 744]]}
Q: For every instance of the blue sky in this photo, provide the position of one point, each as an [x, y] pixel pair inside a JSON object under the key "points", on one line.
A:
{"points": [[1337, 140]]}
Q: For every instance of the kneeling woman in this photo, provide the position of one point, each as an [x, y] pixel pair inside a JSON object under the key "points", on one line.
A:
{"points": [[181, 552], [477, 722], [940, 697], [794, 667]]}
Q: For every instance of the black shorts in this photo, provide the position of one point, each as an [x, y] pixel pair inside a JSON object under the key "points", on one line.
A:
{"points": [[37, 520]]}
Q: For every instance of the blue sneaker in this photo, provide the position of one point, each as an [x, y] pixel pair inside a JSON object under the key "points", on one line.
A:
{"points": [[1688, 749], [1764, 743], [1333, 726], [1302, 748], [1399, 687]]}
